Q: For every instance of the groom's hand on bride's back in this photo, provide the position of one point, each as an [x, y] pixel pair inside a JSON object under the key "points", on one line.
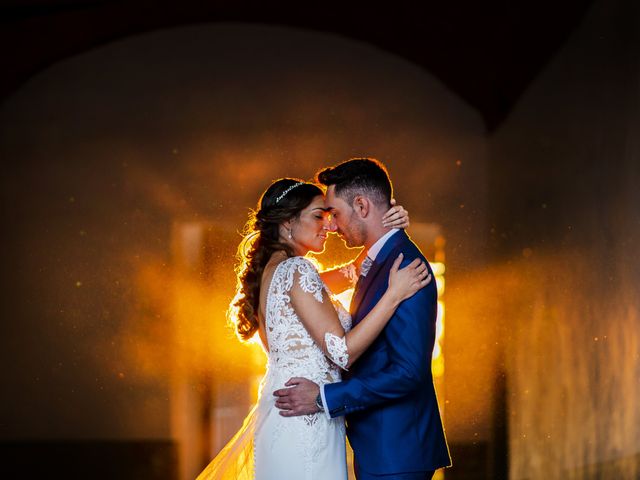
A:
{"points": [[298, 399]]}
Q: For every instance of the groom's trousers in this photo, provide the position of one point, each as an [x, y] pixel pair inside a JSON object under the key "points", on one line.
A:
{"points": [[396, 476], [360, 475]]}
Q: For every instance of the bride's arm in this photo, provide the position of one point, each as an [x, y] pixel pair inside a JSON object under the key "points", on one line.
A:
{"points": [[319, 317], [345, 276]]}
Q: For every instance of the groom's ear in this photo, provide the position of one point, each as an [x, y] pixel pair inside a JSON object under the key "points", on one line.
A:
{"points": [[361, 205]]}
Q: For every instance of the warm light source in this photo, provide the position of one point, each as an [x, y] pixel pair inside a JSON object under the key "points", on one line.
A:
{"points": [[429, 238], [345, 298], [437, 362]]}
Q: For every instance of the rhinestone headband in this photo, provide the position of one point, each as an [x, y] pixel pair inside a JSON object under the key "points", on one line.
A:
{"points": [[283, 194]]}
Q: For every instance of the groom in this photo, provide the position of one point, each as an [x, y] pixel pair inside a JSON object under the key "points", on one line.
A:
{"points": [[388, 397]]}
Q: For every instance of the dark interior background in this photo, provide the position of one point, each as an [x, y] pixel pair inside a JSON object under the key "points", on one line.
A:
{"points": [[135, 135]]}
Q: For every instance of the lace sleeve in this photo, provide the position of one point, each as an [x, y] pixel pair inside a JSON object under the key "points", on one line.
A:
{"points": [[308, 278], [337, 350], [308, 290]]}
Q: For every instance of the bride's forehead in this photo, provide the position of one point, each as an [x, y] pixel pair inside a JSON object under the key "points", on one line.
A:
{"points": [[315, 204], [318, 201]]}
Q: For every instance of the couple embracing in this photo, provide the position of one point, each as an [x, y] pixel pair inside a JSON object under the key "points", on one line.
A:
{"points": [[368, 370]]}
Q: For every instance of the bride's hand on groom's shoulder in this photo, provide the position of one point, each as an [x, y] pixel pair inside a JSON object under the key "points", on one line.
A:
{"points": [[405, 282], [299, 398], [396, 217]]}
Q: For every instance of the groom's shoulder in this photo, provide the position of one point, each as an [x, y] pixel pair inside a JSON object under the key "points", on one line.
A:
{"points": [[409, 248]]}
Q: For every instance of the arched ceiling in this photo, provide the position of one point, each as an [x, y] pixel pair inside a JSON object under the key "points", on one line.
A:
{"points": [[486, 52]]}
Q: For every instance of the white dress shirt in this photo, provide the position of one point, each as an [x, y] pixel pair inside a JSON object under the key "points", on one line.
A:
{"points": [[376, 247]]}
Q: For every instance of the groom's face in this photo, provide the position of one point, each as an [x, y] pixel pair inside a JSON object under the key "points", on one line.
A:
{"points": [[344, 220]]}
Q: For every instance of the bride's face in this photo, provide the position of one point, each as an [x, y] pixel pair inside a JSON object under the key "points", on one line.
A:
{"points": [[309, 231]]}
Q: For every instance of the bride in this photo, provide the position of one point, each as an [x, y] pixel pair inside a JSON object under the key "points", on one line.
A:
{"points": [[305, 332]]}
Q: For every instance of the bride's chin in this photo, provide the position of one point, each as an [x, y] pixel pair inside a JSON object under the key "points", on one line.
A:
{"points": [[318, 248]]}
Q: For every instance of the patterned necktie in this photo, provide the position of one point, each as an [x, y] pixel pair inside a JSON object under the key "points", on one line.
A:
{"points": [[366, 265]]}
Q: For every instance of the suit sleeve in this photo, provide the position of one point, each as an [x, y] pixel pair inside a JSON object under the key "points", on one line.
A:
{"points": [[410, 337]]}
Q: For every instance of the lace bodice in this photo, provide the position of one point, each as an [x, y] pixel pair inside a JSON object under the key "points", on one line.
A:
{"points": [[292, 351], [270, 446]]}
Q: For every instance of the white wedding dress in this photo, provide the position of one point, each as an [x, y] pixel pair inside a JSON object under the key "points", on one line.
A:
{"points": [[270, 446]]}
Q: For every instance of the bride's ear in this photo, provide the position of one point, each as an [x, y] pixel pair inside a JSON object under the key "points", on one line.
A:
{"points": [[284, 229], [361, 205]]}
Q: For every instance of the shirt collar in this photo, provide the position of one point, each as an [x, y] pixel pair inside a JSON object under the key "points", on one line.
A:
{"points": [[376, 247]]}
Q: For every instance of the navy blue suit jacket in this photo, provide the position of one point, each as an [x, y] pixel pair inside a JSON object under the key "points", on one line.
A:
{"points": [[388, 397]]}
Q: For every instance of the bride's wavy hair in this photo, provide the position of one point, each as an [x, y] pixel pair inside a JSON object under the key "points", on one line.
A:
{"points": [[282, 201]]}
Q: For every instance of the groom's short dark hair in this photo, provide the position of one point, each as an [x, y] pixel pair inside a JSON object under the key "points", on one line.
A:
{"points": [[359, 176]]}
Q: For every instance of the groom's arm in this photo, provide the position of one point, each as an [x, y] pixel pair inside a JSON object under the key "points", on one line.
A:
{"points": [[410, 337], [344, 277]]}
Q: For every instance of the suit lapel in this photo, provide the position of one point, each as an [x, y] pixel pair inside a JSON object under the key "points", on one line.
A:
{"points": [[362, 286], [365, 283]]}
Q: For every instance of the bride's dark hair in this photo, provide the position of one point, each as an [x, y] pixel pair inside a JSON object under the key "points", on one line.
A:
{"points": [[282, 201]]}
